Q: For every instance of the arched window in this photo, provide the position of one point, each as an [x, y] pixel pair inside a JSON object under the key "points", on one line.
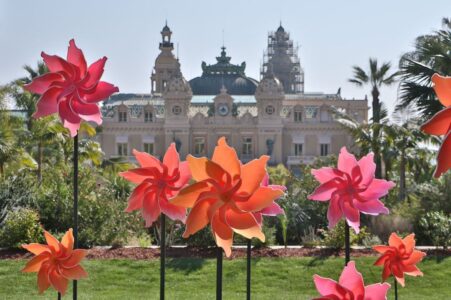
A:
{"points": [[297, 114], [148, 116]]}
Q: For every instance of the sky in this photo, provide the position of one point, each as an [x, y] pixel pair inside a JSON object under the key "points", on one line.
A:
{"points": [[332, 35]]}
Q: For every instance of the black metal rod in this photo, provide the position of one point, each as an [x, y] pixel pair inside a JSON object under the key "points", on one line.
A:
{"points": [[75, 161], [162, 255], [396, 288], [248, 279], [219, 274], [59, 296], [347, 244]]}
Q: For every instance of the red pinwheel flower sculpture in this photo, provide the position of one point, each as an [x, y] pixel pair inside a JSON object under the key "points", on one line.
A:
{"points": [[351, 189], [157, 182], [71, 89], [399, 257], [440, 123], [226, 195], [56, 263], [349, 286]]}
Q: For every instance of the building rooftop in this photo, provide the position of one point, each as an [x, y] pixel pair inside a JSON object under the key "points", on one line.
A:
{"points": [[223, 74]]}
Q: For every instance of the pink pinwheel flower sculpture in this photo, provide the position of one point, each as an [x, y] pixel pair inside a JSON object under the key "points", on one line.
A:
{"points": [[71, 89], [351, 189], [440, 123], [273, 209], [349, 286], [157, 182]]}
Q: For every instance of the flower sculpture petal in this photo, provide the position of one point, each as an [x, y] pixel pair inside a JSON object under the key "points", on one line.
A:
{"points": [[440, 123], [351, 189], [71, 89], [157, 183], [226, 195], [56, 263], [349, 286], [273, 209], [399, 257]]}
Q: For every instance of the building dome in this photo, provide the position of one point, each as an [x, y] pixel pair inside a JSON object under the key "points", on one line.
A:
{"points": [[223, 74], [280, 29]]}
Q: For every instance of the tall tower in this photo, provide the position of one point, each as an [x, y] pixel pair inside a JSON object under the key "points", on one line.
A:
{"points": [[281, 59], [166, 64]]}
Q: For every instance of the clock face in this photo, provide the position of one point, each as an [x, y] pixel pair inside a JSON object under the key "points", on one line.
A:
{"points": [[270, 109], [223, 109], [176, 110]]}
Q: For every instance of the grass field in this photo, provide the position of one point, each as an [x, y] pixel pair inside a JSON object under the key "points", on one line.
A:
{"points": [[273, 278]]}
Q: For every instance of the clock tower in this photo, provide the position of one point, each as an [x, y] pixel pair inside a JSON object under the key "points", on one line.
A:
{"points": [[269, 96], [177, 96], [223, 104]]}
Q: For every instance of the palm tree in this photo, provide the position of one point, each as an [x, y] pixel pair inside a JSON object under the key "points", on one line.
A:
{"points": [[432, 54], [376, 77], [11, 154], [25, 100]]}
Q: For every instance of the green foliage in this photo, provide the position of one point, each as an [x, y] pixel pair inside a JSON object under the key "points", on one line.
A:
{"points": [[20, 227], [436, 226], [335, 237], [102, 220], [431, 54], [15, 192], [311, 238], [203, 238]]}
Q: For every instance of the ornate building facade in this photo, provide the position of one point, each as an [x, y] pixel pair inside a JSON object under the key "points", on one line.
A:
{"points": [[271, 116]]}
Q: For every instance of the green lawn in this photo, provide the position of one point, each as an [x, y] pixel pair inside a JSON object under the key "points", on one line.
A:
{"points": [[273, 278]]}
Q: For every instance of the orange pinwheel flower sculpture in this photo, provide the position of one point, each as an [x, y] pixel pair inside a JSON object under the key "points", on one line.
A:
{"points": [[226, 195], [440, 123], [56, 263], [399, 257]]}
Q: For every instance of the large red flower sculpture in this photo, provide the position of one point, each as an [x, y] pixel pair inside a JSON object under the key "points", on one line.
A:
{"points": [[71, 89], [349, 286], [157, 182], [351, 189], [440, 123], [56, 263], [399, 257], [226, 195]]}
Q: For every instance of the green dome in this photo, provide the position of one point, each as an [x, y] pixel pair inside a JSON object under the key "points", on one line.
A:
{"points": [[223, 73]]}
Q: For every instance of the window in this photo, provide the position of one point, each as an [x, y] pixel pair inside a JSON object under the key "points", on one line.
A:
{"points": [[122, 149], [122, 116], [199, 146], [298, 115], [176, 110], [298, 149], [247, 146], [148, 116], [324, 149], [148, 148]]}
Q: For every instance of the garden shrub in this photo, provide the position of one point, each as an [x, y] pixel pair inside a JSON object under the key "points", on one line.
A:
{"points": [[335, 237], [436, 227], [16, 191], [102, 220], [202, 238], [311, 238], [20, 227]]}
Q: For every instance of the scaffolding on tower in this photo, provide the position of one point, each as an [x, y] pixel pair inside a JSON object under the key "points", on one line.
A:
{"points": [[281, 60]]}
